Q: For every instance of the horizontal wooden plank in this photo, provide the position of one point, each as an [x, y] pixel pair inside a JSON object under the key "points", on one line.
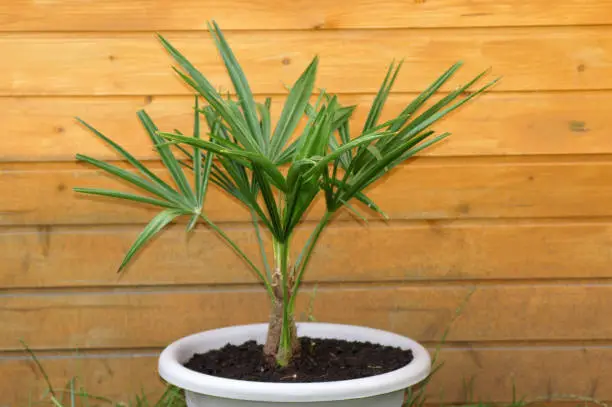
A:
{"points": [[42, 194], [536, 373], [115, 15], [115, 319], [530, 59], [56, 257], [500, 124]]}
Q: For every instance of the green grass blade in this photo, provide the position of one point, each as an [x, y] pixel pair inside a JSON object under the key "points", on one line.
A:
{"points": [[72, 393], [294, 108], [40, 367], [124, 195], [156, 224], [167, 156]]}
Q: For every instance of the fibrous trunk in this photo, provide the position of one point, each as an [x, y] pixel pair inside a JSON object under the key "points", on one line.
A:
{"points": [[282, 343]]}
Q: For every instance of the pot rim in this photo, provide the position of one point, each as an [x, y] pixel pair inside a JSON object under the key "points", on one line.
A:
{"points": [[171, 369]]}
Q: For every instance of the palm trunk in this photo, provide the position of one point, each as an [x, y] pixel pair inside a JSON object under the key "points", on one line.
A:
{"points": [[282, 342]]}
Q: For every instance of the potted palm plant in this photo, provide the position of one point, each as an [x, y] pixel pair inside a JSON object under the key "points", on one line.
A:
{"points": [[277, 172]]}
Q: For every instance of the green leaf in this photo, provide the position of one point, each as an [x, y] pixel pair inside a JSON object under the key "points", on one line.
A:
{"points": [[424, 96], [361, 197], [205, 178], [374, 151], [316, 139], [197, 154], [135, 180], [294, 108], [298, 202], [381, 97], [241, 85], [352, 209], [266, 122], [160, 221], [298, 168], [197, 81], [262, 247], [433, 115], [270, 202], [342, 116], [124, 195], [418, 148], [167, 157], [237, 154], [192, 222], [367, 138], [130, 158], [391, 160]]}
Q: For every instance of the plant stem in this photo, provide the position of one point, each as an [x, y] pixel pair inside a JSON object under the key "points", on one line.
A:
{"points": [[234, 246], [307, 252], [262, 248], [284, 353]]}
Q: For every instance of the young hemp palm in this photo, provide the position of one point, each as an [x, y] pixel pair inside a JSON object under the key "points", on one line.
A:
{"points": [[243, 154]]}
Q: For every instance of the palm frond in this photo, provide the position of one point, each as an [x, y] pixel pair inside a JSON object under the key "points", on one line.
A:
{"points": [[167, 157], [156, 224]]}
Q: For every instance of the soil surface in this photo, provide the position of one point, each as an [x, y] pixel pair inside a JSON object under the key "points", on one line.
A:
{"points": [[321, 360]]}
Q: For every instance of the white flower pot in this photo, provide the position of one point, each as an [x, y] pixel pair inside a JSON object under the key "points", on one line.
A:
{"points": [[385, 390]]}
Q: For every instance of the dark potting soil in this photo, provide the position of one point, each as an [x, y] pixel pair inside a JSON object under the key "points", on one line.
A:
{"points": [[321, 360]]}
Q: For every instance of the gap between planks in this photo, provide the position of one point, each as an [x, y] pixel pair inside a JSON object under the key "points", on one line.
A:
{"points": [[204, 32], [333, 286], [261, 96], [421, 161], [335, 224], [449, 346]]}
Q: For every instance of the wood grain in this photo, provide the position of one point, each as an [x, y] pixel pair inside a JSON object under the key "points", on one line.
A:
{"points": [[515, 209], [499, 124], [535, 371], [151, 318], [530, 59], [42, 194], [141, 15], [419, 251]]}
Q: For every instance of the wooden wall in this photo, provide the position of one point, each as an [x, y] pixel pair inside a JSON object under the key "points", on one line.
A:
{"points": [[516, 207]]}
